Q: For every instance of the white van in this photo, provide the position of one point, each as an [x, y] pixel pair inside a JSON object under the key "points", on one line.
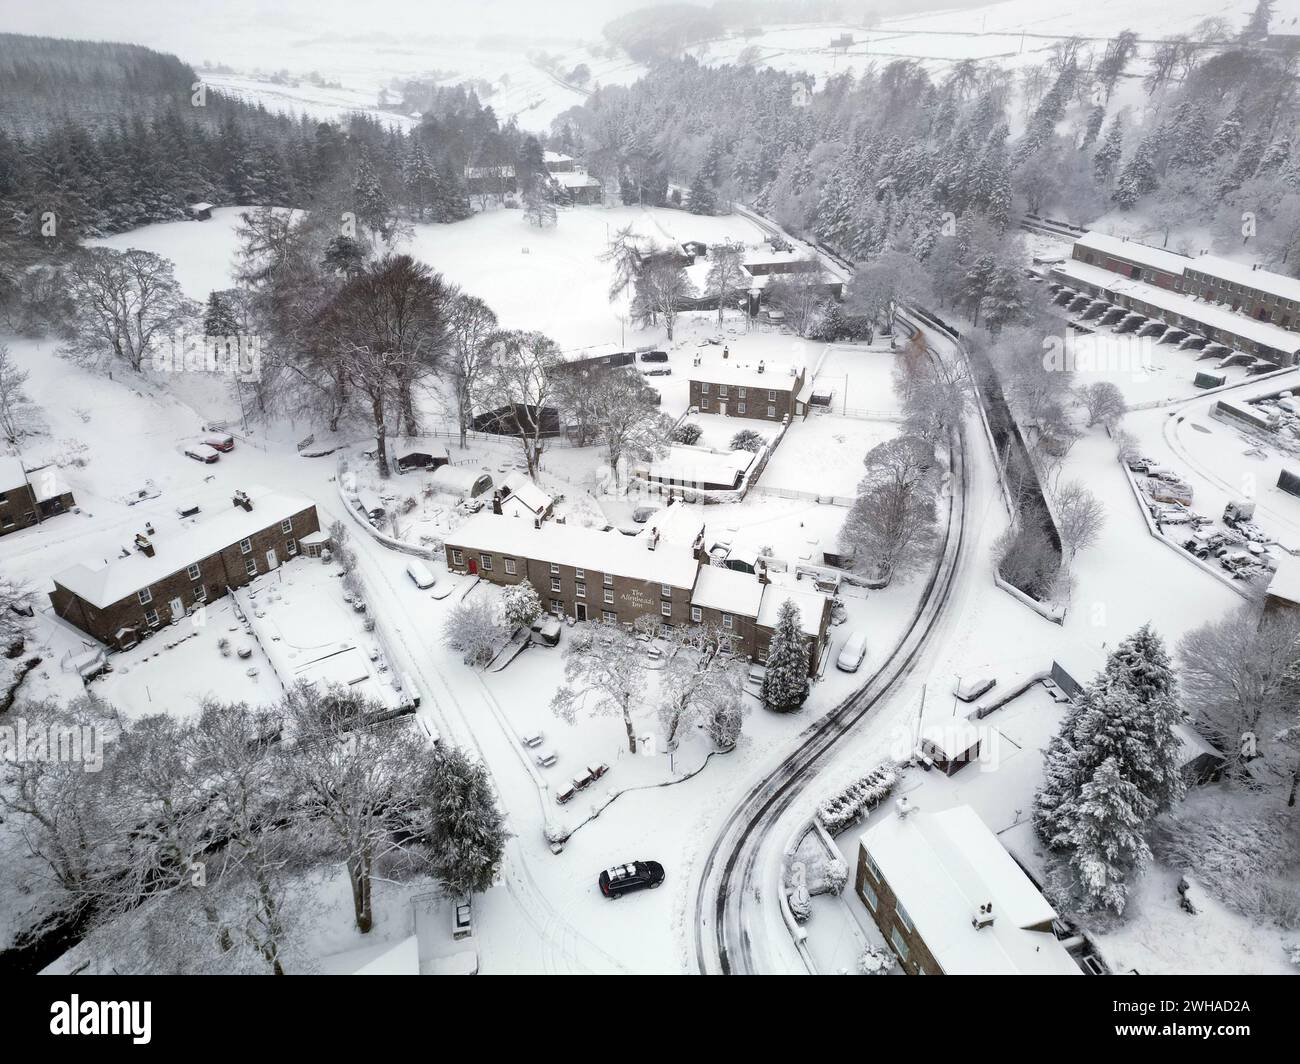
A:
{"points": [[419, 574]]}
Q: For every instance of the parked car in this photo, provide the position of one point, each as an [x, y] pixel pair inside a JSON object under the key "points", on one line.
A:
{"points": [[419, 574], [642, 514], [220, 441], [545, 630], [625, 878], [201, 452], [853, 652], [462, 918], [565, 793], [662, 371], [654, 356]]}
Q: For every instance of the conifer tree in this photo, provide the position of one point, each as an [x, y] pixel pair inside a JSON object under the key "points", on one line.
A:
{"points": [[785, 684]]}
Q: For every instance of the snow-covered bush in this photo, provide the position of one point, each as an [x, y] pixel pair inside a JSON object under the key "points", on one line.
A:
{"points": [[748, 440], [520, 605], [835, 875], [473, 630], [801, 903], [725, 722], [876, 961], [840, 810], [688, 433], [409, 504]]}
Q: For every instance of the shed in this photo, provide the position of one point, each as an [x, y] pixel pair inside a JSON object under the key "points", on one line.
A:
{"points": [[950, 744], [200, 212], [461, 480], [1198, 760], [428, 458]]}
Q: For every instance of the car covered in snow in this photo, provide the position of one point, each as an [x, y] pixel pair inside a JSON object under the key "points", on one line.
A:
{"points": [[853, 653], [626, 878], [220, 441], [545, 630], [201, 452]]}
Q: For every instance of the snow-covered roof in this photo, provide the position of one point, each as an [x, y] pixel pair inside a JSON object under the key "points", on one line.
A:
{"points": [[776, 378], [11, 473], [1208, 315], [549, 157], [522, 492], [767, 257], [48, 485], [951, 737], [574, 179], [460, 480], [1243, 274], [679, 523], [810, 603], [200, 207], [727, 590], [696, 465], [1286, 581], [385, 958], [174, 551], [942, 867], [1192, 744], [604, 552], [1133, 251]]}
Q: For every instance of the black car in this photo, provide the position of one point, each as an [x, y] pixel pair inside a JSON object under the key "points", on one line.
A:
{"points": [[625, 878], [654, 356]]}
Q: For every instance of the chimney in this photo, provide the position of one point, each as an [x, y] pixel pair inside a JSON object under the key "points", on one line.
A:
{"points": [[983, 917], [496, 502], [143, 545], [701, 555], [653, 541], [243, 501], [904, 807], [762, 572]]}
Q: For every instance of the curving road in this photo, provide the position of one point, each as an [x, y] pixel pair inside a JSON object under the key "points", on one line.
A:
{"points": [[729, 890]]}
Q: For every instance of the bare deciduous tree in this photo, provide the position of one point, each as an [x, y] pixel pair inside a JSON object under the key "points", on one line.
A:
{"points": [[891, 524], [471, 323], [725, 277], [604, 675], [125, 302], [520, 385], [1103, 401], [1081, 516]]}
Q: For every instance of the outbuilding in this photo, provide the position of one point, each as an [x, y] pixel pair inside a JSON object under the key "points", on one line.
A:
{"points": [[462, 481]]}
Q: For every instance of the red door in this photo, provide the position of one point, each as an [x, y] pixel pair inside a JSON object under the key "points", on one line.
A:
{"points": [[473, 567]]}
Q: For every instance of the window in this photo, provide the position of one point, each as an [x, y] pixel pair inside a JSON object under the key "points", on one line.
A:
{"points": [[200, 594], [728, 621], [740, 408], [145, 596], [704, 388], [872, 869], [609, 580], [666, 608], [291, 547], [555, 583], [771, 396], [511, 567], [900, 944], [193, 572], [557, 607], [286, 526], [581, 590], [555, 569], [869, 896], [722, 390], [665, 591], [151, 618], [771, 411], [485, 562], [580, 574], [740, 393], [609, 597], [903, 918], [457, 557], [609, 616], [245, 546], [697, 614], [250, 566]]}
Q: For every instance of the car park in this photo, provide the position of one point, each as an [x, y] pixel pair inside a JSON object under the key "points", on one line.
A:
{"points": [[853, 652], [201, 452], [626, 878]]}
